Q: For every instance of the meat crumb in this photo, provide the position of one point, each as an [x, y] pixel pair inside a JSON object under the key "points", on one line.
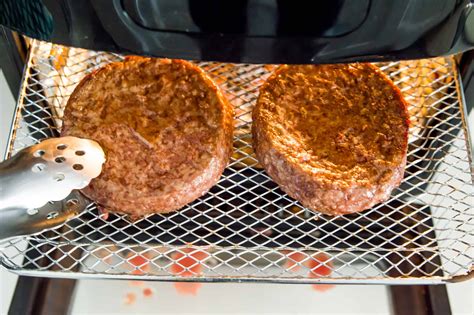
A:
{"points": [[147, 292], [130, 298]]}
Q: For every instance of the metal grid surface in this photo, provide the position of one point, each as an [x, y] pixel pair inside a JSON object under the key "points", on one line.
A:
{"points": [[245, 228]]}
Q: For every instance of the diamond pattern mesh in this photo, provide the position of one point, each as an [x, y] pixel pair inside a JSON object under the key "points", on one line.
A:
{"points": [[246, 228]]}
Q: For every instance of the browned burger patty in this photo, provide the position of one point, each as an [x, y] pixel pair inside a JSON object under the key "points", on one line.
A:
{"points": [[334, 137], [166, 129]]}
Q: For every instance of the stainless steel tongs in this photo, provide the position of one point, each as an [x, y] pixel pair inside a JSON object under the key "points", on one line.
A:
{"points": [[37, 185]]}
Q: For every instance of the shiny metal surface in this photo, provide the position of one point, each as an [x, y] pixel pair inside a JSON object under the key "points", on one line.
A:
{"points": [[19, 221], [245, 228], [48, 171], [36, 181]]}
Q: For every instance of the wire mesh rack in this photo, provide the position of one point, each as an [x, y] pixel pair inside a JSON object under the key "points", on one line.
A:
{"points": [[245, 228]]}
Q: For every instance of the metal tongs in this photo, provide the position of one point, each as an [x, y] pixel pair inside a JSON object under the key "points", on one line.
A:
{"points": [[38, 185]]}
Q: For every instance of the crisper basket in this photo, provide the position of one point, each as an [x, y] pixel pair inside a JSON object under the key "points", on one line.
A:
{"points": [[246, 228]]}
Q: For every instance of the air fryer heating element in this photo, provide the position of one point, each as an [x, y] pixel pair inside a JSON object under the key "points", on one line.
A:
{"points": [[245, 228]]}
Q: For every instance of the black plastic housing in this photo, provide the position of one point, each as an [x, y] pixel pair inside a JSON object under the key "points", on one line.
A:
{"points": [[251, 31]]}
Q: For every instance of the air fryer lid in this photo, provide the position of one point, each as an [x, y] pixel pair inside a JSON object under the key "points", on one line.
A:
{"points": [[253, 31]]}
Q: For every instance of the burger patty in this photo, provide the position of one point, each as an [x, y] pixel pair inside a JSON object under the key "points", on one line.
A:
{"points": [[165, 127], [334, 137]]}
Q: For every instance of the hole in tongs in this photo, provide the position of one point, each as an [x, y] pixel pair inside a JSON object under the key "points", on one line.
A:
{"points": [[52, 215], [39, 153], [59, 177], [72, 202], [60, 159], [78, 167], [32, 211], [38, 167]]}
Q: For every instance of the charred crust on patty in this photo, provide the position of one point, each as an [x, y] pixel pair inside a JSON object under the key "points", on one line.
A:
{"points": [[166, 129], [334, 137]]}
